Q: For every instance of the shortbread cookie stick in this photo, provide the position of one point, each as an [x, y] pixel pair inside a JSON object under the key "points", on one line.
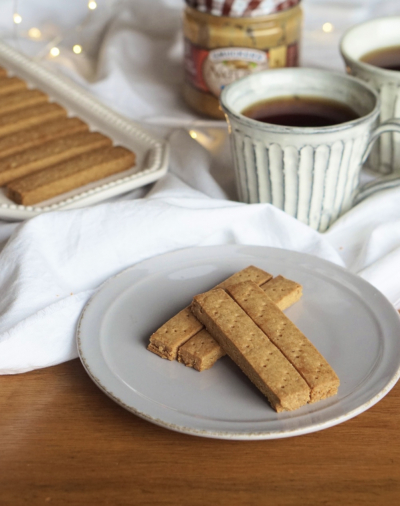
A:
{"points": [[30, 117], [11, 85], [307, 360], [201, 351], [176, 331], [66, 176], [56, 151], [3, 72], [248, 346], [32, 137], [250, 273], [283, 292], [21, 100]]}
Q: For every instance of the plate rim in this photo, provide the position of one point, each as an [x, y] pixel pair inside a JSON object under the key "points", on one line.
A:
{"points": [[231, 435]]}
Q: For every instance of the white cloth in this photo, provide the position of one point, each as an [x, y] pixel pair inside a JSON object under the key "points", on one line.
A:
{"points": [[51, 264]]}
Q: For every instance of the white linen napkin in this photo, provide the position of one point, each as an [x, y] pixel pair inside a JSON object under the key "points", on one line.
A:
{"points": [[51, 264]]}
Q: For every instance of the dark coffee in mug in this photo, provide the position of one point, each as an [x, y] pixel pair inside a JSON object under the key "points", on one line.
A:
{"points": [[301, 111], [386, 58]]}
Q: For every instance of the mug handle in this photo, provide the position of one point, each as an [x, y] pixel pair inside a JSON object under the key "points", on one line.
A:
{"points": [[384, 182]]}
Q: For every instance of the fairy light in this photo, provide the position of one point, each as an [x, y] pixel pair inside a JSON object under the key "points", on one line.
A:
{"points": [[193, 134], [34, 33], [51, 48], [327, 27]]}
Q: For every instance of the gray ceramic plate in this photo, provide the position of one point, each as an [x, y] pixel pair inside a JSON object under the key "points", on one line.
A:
{"points": [[347, 319]]}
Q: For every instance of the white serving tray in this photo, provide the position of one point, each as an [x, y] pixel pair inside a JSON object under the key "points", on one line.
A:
{"points": [[151, 153]]}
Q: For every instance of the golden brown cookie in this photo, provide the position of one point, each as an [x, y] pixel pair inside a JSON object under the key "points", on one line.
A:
{"points": [[283, 292], [30, 117], [248, 346], [21, 100], [11, 85], [69, 175], [205, 351], [181, 327], [35, 136], [52, 152], [200, 351], [300, 352]]}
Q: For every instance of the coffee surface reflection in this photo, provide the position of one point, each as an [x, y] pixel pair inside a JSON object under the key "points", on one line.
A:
{"points": [[301, 111], [386, 58]]}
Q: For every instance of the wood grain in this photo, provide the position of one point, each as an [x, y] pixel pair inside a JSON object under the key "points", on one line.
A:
{"points": [[64, 442]]}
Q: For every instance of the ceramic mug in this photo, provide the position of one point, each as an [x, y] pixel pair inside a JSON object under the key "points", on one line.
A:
{"points": [[358, 41], [312, 173]]}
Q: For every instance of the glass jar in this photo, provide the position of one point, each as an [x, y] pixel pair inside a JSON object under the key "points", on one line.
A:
{"points": [[221, 48]]}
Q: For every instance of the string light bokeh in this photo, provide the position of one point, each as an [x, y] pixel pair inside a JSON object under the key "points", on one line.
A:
{"points": [[54, 42], [52, 48]]}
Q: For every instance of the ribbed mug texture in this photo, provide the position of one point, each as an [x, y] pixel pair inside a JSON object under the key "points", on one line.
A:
{"points": [[315, 184]]}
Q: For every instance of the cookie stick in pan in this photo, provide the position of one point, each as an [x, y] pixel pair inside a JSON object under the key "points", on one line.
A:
{"points": [[11, 84], [26, 118], [21, 100], [32, 137], [71, 174], [50, 153]]}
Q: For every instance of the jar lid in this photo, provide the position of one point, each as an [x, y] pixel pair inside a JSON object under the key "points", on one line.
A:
{"points": [[241, 8]]}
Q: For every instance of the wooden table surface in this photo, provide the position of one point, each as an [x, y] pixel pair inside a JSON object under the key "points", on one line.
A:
{"points": [[64, 442]]}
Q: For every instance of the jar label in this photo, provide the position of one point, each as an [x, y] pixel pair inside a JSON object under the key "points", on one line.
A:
{"points": [[210, 71]]}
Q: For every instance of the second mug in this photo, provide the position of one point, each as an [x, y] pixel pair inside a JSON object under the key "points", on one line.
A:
{"points": [[371, 51]]}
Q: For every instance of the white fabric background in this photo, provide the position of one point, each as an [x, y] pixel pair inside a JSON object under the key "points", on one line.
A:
{"points": [[52, 264]]}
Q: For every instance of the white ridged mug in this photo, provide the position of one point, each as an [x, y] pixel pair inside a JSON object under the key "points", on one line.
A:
{"points": [[358, 41], [312, 173]]}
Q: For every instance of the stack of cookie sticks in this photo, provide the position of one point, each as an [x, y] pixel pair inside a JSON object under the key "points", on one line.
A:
{"points": [[243, 317], [167, 340], [184, 338]]}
